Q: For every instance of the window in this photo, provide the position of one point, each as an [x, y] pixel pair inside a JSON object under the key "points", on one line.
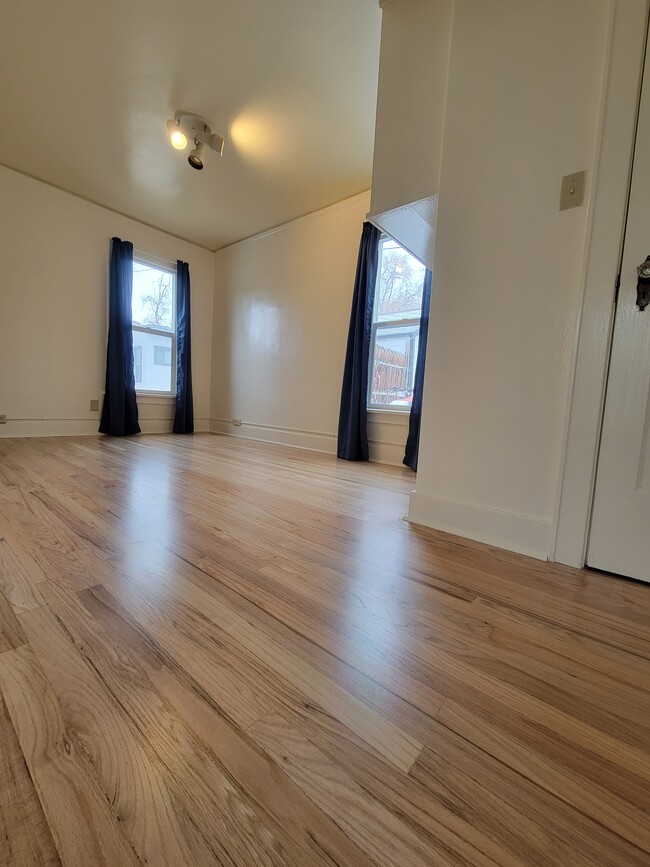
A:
{"points": [[137, 362], [162, 355], [154, 327], [395, 328]]}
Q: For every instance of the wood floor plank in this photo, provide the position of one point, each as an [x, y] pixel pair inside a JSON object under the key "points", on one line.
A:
{"points": [[567, 687], [529, 821], [141, 792], [188, 647], [263, 600], [387, 738], [367, 822], [189, 652], [82, 822], [83, 524], [225, 814], [11, 633], [265, 782], [444, 811], [236, 653], [586, 763], [624, 813], [25, 838], [618, 664], [584, 724], [17, 578]]}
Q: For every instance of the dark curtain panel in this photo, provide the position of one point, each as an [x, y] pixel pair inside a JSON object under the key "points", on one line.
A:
{"points": [[120, 410], [353, 434], [184, 417], [413, 440]]}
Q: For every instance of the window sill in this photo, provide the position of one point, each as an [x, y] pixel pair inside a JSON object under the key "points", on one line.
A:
{"points": [[153, 397], [390, 416]]}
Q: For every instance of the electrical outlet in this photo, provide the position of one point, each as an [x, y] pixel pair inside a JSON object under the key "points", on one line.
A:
{"points": [[3, 419], [237, 422], [94, 406]]}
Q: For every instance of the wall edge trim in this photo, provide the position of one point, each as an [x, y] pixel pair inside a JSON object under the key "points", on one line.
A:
{"points": [[520, 533]]}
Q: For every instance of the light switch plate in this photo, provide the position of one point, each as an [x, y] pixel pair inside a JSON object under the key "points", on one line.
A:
{"points": [[94, 406], [572, 194]]}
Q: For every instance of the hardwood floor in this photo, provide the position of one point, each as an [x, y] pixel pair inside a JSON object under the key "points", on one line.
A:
{"points": [[220, 652]]}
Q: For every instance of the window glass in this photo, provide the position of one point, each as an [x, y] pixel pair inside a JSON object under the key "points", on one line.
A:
{"points": [[162, 354], [154, 375], [396, 328], [154, 326], [400, 279], [153, 297], [137, 361], [393, 366]]}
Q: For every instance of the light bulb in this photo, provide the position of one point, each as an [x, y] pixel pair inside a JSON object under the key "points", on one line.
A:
{"points": [[178, 140]]}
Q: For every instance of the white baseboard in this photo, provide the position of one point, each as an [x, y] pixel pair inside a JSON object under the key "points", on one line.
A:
{"points": [[301, 439], [380, 451], [49, 427], [520, 533], [74, 427], [387, 453]]}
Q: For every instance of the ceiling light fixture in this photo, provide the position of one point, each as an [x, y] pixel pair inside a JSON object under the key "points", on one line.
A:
{"points": [[184, 127], [195, 159]]}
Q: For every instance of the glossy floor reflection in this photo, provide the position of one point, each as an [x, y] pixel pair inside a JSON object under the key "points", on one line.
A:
{"points": [[220, 652]]}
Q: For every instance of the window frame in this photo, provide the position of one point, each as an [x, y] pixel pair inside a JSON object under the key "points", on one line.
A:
{"points": [[137, 364], [164, 349], [160, 332], [387, 324]]}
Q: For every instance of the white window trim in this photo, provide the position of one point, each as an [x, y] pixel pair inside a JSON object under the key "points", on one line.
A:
{"points": [[394, 416], [153, 262], [136, 364], [388, 323]]}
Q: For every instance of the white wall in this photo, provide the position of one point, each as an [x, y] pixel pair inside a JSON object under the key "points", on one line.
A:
{"points": [[415, 37], [523, 105], [53, 310], [281, 315]]}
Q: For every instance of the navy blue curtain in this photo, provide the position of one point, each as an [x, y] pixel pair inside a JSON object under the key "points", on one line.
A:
{"points": [[184, 417], [353, 434], [413, 440], [120, 410]]}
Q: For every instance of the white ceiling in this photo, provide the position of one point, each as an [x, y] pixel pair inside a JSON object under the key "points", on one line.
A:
{"points": [[86, 88]]}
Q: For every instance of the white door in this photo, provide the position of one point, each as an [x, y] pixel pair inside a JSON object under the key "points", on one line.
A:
{"points": [[619, 540]]}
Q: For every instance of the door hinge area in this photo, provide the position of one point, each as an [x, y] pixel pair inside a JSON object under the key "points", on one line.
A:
{"points": [[617, 286]]}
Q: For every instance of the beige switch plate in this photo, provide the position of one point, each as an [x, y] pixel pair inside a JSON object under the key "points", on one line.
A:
{"points": [[572, 194]]}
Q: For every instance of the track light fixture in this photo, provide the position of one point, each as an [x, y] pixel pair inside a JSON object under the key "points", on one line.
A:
{"points": [[195, 159], [184, 127]]}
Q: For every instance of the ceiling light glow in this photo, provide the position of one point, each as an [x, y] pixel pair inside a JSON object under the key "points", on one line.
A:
{"points": [[178, 140]]}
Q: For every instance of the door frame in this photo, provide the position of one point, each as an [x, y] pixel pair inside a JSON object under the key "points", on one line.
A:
{"points": [[628, 38]]}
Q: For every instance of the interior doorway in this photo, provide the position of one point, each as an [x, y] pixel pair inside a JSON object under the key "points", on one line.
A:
{"points": [[619, 538], [606, 231]]}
